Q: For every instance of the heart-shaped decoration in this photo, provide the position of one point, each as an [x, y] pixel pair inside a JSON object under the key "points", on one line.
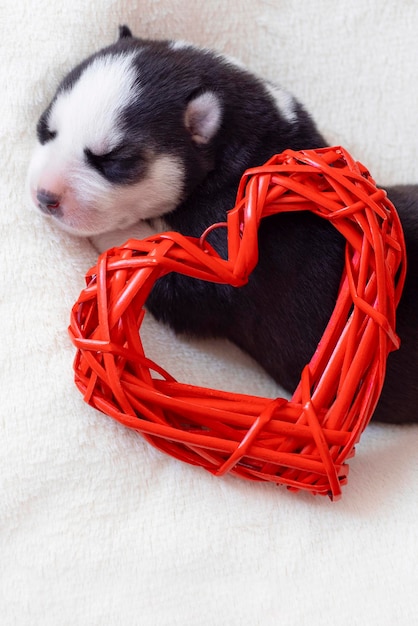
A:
{"points": [[302, 443]]}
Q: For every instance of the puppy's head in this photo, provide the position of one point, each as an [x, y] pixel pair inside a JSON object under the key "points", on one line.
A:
{"points": [[126, 137]]}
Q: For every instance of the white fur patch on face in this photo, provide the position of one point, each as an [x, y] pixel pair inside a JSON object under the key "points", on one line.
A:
{"points": [[85, 116]]}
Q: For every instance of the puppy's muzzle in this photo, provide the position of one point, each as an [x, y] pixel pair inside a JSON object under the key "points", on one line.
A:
{"points": [[48, 202]]}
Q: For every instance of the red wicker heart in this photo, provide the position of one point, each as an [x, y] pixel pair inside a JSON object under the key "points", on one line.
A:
{"points": [[302, 443]]}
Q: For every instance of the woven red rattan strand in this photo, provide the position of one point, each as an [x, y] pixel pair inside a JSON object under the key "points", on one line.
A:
{"points": [[302, 443]]}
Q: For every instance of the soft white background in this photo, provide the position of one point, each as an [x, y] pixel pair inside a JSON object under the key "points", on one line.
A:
{"points": [[97, 527]]}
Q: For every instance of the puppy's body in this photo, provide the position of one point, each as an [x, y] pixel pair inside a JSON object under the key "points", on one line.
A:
{"points": [[147, 136]]}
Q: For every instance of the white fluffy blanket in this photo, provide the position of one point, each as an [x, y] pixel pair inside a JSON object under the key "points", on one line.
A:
{"points": [[97, 527]]}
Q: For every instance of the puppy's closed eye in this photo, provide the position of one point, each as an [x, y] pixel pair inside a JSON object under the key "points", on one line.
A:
{"points": [[119, 165]]}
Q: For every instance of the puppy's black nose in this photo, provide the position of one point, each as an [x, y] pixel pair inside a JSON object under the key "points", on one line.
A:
{"points": [[48, 202]]}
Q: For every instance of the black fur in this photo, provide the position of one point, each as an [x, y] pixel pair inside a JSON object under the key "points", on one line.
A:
{"points": [[124, 32], [279, 317]]}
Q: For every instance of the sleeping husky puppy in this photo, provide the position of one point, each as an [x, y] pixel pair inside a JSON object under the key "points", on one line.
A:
{"points": [[146, 136]]}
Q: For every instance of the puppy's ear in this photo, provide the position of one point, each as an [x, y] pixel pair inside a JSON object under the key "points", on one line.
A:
{"points": [[124, 31], [203, 117]]}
